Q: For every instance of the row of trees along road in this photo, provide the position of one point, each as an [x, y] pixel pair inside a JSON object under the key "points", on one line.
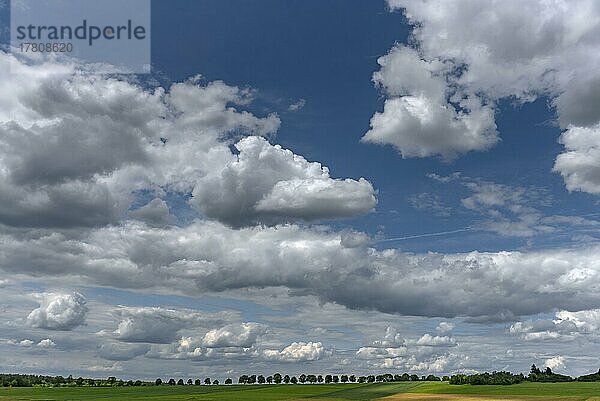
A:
{"points": [[535, 375], [190, 382], [277, 378]]}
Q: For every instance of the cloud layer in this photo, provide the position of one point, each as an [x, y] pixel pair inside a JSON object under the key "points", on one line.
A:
{"points": [[208, 257], [76, 148]]}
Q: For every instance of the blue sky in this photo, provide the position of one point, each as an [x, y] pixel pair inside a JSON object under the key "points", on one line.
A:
{"points": [[180, 224]]}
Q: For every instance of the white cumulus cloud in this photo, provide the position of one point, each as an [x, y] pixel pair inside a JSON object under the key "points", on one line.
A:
{"points": [[234, 335], [266, 183], [296, 352], [59, 312]]}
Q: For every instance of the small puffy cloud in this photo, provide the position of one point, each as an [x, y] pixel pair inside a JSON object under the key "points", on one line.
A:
{"points": [[192, 348], [265, 183], [154, 212], [445, 327], [46, 344], [155, 324], [115, 367], [379, 353], [391, 339], [417, 127], [210, 108], [296, 352], [437, 364], [234, 335], [557, 362], [566, 326], [579, 164], [587, 321], [114, 351], [26, 343], [544, 330], [59, 312], [428, 340], [297, 106], [418, 119], [427, 354]]}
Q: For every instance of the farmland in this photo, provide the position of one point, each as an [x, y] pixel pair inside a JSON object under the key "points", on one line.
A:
{"points": [[421, 391]]}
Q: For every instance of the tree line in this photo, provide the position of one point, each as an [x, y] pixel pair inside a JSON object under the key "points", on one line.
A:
{"points": [[277, 378], [507, 378], [502, 378], [24, 380]]}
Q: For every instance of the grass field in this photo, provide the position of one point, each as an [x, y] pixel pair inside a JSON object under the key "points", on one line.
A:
{"points": [[429, 391]]}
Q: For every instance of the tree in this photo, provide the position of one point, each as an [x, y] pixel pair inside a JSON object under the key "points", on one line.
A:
{"points": [[302, 378], [286, 379], [494, 378], [180, 382], [216, 382], [158, 382], [344, 379], [270, 379], [294, 380], [536, 375], [328, 379], [593, 377], [171, 382], [277, 378], [352, 379], [260, 379], [207, 381], [198, 382], [228, 381], [243, 379], [190, 382], [320, 379], [252, 379]]}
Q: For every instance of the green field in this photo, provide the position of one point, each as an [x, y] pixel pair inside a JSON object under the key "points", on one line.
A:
{"points": [[429, 391]]}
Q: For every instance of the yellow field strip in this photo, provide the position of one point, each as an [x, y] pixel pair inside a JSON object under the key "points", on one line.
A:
{"points": [[470, 397]]}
